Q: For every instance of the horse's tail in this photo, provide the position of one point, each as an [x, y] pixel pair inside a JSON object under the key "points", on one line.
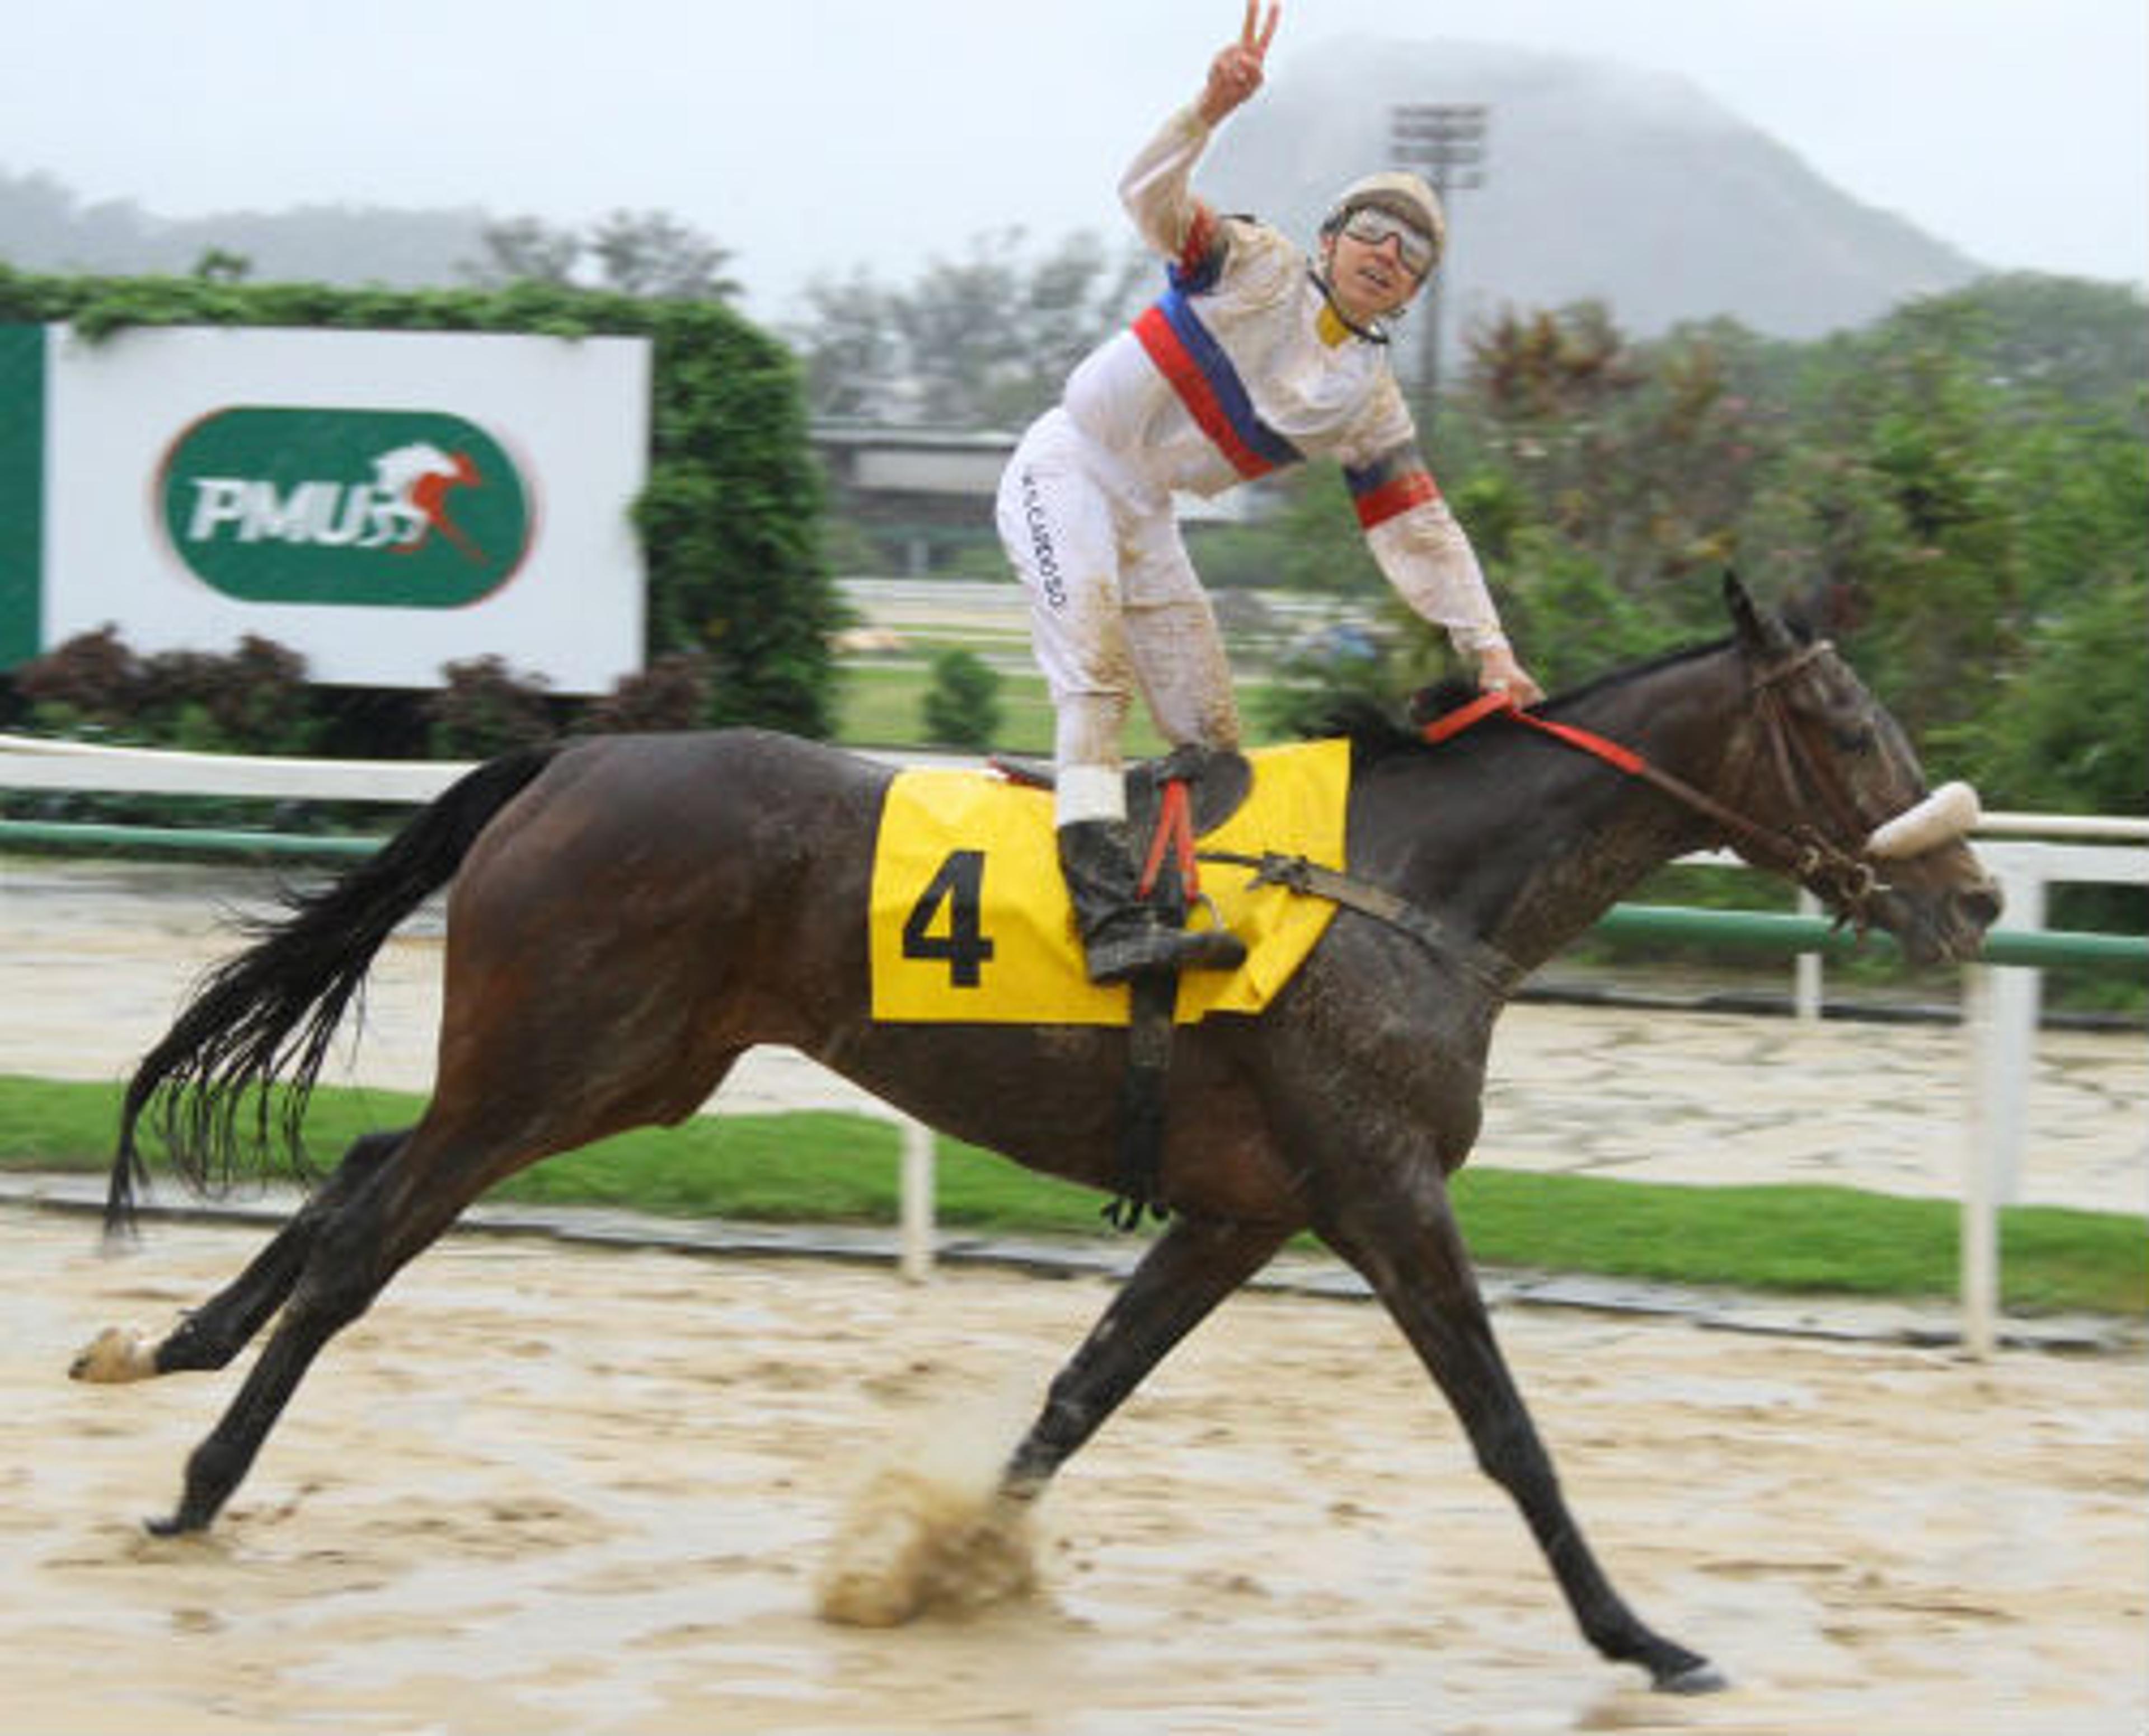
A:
{"points": [[260, 1026]]}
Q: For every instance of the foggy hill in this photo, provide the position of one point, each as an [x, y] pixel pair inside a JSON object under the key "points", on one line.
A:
{"points": [[1602, 182], [44, 227]]}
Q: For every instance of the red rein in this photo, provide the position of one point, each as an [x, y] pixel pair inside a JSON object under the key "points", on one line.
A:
{"points": [[1486, 705]]}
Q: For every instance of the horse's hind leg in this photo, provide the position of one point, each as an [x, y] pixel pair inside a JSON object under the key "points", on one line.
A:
{"points": [[1405, 1243], [381, 1223], [1192, 1267], [210, 1335]]}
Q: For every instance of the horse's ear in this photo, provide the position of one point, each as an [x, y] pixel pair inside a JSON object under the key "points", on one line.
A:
{"points": [[1760, 631], [1826, 609]]}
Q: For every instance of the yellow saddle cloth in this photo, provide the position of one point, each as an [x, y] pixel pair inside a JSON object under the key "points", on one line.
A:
{"points": [[970, 922]]}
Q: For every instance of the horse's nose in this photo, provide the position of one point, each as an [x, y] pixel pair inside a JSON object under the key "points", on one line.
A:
{"points": [[1981, 904]]}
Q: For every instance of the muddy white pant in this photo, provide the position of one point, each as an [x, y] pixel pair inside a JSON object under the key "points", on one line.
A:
{"points": [[1114, 607]]}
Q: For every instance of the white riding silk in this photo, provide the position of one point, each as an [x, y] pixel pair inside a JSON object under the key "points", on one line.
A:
{"points": [[1242, 366]]}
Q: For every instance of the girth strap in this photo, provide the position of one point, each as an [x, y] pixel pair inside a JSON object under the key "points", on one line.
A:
{"points": [[1170, 879], [1493, 970], [1142, 1089]]}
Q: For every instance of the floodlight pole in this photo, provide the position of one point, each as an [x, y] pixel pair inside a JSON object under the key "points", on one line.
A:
{"points": [[1446, 142]]}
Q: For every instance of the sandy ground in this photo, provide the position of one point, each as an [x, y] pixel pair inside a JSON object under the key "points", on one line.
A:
{"points": [[540, 1488], [543, 1489]]}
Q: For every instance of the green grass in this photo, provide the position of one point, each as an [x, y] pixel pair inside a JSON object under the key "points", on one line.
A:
{"points": [[880, 705], [1799, 1238], [834, 1168]]}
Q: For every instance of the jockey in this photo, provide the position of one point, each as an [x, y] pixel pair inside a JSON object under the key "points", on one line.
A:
{"points": [[1255, 357]]}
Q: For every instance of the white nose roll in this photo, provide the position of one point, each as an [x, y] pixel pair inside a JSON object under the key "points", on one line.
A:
{"points": [[1942, 817]]}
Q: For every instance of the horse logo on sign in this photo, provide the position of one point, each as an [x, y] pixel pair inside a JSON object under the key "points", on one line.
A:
{"points": [[364, 507]]}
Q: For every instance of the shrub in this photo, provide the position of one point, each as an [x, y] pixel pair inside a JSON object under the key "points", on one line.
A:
{"points": [[92, 680], [486, 708], [253, 700], [672, 693], [962, 707]]}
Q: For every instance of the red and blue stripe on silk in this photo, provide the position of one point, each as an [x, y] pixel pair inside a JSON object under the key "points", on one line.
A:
{"points": [[1390, 485], [1194, 365], [1200, 260]]}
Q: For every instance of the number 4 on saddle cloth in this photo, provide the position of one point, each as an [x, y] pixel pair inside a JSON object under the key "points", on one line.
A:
{"points": [[970, 922]]}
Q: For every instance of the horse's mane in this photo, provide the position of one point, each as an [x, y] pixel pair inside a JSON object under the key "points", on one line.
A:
{"points": [[1376, 733]]}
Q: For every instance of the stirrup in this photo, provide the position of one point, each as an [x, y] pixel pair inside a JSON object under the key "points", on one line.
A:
{"points": [[1148, 948]]}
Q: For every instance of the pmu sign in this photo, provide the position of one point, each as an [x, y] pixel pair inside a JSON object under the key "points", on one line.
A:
{"points": [[365, 508], [383, 503]]}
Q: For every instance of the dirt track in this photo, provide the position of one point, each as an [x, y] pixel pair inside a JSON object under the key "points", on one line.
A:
{"points": [[540, 1488]]}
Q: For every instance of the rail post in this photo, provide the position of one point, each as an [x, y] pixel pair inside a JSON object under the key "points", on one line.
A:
{"points": [[2017, 998], [1978, 1261], [916, 1201], [1806, 972]]}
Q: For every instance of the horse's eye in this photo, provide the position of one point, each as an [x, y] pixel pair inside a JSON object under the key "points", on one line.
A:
{"points": [[1859, 739]]}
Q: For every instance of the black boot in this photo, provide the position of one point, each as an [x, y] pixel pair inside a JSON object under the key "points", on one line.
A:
{"points": [[1124, 935]]}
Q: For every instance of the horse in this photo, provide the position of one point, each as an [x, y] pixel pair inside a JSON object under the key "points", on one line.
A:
{"points": [[628, 915]]}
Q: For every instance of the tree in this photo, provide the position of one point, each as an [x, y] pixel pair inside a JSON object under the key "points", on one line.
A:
{"points": [[221, 265], [1902, 510], [961, 709], [525, 250], [2064, 730], [985, 342], [2065, 340], [650, 255], [853, 350]]}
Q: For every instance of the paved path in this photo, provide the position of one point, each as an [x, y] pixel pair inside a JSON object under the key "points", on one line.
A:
{"points": [[94, 958]]}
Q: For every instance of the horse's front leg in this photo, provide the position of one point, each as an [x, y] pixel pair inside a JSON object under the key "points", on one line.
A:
{"points": [[1192, 1267], [1402, 1238]]}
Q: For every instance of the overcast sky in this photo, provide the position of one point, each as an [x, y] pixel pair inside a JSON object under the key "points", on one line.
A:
{"points": [[810, 136]]}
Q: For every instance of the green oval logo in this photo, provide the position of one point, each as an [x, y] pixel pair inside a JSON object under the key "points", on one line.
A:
{"points": [[370, 508]]}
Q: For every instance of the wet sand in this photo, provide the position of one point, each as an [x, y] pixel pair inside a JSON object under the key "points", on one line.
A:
{"points": [[540, 1488]]}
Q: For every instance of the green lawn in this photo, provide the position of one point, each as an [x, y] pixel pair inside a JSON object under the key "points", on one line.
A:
{"points": [[880, 705], [843, 1169]]}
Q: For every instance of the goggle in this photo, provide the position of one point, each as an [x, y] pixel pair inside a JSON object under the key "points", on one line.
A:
{"points": [[1372, 225]]}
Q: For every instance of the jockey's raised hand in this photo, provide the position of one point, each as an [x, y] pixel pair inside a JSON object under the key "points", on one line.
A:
{"points": [[1235, 73]]}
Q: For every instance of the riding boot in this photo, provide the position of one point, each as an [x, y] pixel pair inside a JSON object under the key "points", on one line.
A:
{"points": [[1123, 934]]}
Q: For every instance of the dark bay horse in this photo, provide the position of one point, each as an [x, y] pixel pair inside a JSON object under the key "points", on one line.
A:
{"points": [[629, 915]]}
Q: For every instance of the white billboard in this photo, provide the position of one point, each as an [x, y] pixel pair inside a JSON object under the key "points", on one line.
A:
{"points": [[382, 502]]}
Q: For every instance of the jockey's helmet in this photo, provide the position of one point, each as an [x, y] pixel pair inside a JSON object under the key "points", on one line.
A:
{"points": [[1400, 194]]}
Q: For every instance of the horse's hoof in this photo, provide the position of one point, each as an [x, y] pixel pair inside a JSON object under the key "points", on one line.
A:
{"points": [[115, 1356], [1698, 1677]]}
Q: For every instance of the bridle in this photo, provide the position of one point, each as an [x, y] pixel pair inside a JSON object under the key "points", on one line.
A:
{"points": [[1844, 879]]}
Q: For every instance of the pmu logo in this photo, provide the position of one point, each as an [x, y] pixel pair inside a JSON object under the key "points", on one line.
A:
{"points": [[376, 508]]}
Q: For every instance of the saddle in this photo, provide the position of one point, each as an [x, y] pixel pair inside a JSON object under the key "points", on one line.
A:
{"points": [[1217, 781], [1171, 801]]}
